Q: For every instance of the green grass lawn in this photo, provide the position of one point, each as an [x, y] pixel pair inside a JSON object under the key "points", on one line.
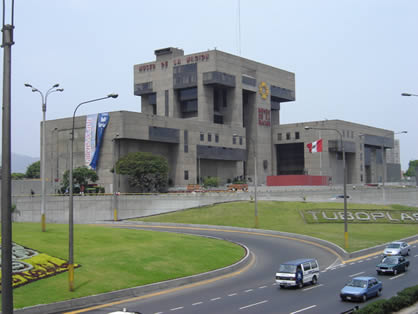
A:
{"points": [[285, 216], [113, 259]]}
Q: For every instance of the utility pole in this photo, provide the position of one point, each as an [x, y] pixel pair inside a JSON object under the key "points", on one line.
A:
{"points": [[6, 191]]}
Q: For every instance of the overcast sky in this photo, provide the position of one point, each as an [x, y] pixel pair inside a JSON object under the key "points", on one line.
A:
{"points": [[352, 58]]}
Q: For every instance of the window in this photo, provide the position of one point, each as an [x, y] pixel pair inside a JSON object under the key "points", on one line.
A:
{"points": [[224, 97], [240, 140], [216, 138], [234, 140], [314, 264], [186, 175], [297, 136], [202, 137], [288, 135], [279, 136], [306, 266], [343, 133], [186, 148], [209, 137]]}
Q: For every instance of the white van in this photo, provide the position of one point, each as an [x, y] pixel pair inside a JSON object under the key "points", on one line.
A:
{"points": [[298, 272]]}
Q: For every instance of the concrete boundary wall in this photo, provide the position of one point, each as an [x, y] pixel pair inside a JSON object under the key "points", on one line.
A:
{"points": [[91, 209]]}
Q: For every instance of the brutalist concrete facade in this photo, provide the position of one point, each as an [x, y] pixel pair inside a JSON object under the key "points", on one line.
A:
{"points": [[365, 151], [210, 114]]}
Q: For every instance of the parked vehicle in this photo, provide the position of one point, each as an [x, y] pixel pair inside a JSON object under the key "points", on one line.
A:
{"points": [[392, 264], [361, 288], [397, 248], [298, 272]]}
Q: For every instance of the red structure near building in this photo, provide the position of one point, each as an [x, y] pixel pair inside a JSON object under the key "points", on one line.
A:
{"points": [[287, 180]]}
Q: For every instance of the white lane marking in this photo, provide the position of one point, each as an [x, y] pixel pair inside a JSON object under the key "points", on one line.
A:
{"points": [[333, 264], [416, 255], [376, 256], [313, 287], [258, 303], [306, 308], [361, 261], [249, 290], [262, 287], [197, 303], [351, 264], [159, 313], [275, 284], [232, 294], [177, 308], [323, 271], [353, 275], [368, 259], [214, 299], [394, 277]]}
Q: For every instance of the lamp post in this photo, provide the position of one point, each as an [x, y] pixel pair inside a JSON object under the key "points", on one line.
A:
{"points": [[53, 89], [344, 178], [71, 204], [115, 183], [408, 94]]}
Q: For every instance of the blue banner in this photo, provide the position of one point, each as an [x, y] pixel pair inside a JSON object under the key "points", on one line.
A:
{"points": [[101, 126]]}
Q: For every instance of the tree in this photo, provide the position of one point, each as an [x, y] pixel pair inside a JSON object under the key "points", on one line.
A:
{"points": [[17, 176], [81, 177], [411, 168], [33, 170], [146, 172]]}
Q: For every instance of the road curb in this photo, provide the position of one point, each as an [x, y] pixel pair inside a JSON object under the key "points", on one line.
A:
{"points": [[68, 305]]}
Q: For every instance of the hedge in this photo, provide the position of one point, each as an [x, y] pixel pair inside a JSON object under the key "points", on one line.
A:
{"points": [[405, 298]]}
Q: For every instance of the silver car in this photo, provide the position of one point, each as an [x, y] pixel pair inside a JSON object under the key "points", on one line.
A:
{"points": [[397, 248]]}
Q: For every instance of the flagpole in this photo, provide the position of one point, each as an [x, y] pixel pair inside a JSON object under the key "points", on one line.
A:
{"points": [[320, 157]]}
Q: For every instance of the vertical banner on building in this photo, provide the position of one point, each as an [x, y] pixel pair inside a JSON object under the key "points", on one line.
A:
{"points": [[90, 138], [101, 126]]}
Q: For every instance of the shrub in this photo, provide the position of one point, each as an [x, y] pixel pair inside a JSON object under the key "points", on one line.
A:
{"points": [[210, 182]]}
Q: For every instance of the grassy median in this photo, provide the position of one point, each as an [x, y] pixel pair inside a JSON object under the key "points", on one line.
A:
{"points": [[113, 259], [286, 216]]}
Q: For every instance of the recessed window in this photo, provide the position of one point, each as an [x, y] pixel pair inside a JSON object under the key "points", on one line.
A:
{"points": [[186, 175], [288, 135], [279, 136], [202, 137], [297, 136], [216, 138], [186, 148], [234, 140], [209, 137], [240, 140]]}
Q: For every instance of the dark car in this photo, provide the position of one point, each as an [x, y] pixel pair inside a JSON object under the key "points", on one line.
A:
{"points": [[361, 288], [393, 265]]}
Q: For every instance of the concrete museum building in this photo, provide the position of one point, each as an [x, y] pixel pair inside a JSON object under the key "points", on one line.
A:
{"points": [[216, 114]]}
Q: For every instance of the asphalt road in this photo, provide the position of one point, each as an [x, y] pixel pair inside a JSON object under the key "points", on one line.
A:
{"points": [[254, 290]]}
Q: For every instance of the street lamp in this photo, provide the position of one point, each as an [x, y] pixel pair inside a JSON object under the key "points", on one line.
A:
{"points": [[408, 94], [345, 180], [70, 205], [53, 89]]}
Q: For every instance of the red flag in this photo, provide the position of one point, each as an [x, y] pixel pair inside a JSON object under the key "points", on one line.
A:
{"points": [[315, 147]]}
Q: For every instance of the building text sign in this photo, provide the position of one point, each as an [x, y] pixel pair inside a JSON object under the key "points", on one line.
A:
{"points": [[361, 216]]}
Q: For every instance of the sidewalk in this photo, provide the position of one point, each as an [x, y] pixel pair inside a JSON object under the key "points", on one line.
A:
{"points": [[410, 310]]}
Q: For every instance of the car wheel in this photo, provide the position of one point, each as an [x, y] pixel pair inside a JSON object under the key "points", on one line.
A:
{"points": [[407, 253], [379, 292], [395, 272], [406, 268], [342, 299], [300, 285], [363, 298], [314, 280], [281, 286], [378, 272]]}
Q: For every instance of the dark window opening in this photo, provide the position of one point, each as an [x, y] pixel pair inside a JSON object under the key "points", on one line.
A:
{"points": [[188, 102], [186, 175], [288, 135], [202, 137], [279, 136], [297, 136], [186, 148], [234, 140], [216, 138], [290, 159], [240, 140], [209, 137]]}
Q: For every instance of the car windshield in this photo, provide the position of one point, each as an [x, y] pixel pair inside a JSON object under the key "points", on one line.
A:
{"points": [[390, 260], [394, 246], [291, 269], [358, 283]]}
